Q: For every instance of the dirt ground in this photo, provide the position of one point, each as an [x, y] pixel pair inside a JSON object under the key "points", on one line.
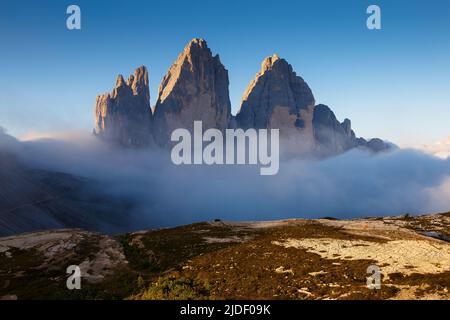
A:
{"points": [[290, 259]]}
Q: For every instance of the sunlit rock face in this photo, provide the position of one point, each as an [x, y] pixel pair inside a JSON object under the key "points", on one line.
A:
{"points": [[194, 89], [124, 116], [279, 99]]}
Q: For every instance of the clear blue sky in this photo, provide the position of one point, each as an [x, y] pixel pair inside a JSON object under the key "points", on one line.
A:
{"points": [[393, 83]]}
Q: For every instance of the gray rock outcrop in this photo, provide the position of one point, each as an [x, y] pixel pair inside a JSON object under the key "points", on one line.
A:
{"points": [[279, 99], [332, 137], [194, 89], [375, 145], [124, 116]]}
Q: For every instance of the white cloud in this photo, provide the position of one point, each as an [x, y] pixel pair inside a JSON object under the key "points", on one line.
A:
{"points": [[353, 184], [439, 149]]}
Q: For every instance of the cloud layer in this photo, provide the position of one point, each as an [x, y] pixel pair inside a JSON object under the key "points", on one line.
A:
{"points": [[354, 184], [440, 149]]}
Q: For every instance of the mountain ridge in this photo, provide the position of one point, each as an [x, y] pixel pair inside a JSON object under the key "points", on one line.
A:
{"points": [[195, 88]]}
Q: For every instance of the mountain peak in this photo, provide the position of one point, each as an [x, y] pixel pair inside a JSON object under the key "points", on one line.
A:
{"points": [[196, 43], [120, 81], [139, 83], [275, 63], [123, 117], [197, 47], [194, 88], [270, 61], [277, 97]]}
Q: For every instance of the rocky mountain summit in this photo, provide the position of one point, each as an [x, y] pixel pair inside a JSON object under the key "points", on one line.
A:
{"points": [[124, 116], [279, 99], [331, 135], [334, 137], [195, 88]]}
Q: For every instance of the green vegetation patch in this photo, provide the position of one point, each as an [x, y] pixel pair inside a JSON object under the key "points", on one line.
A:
{"points": [[172, 288]]}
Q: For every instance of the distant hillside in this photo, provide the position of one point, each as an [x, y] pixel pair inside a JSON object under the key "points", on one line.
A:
{"points": [[33, 200]]}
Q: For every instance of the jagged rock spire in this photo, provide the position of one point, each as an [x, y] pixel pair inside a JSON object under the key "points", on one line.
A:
{"points": [[275, 88], [194, 88], [279, 99], [124, 116]]}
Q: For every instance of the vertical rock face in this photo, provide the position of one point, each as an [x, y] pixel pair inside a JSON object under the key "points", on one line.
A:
{"points": [[194, 88], [377, 145], [124, 117], [332, 137], [279, 99]]}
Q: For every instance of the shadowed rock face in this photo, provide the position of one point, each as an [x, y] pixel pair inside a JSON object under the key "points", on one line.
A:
{"points": [[194, 88], [32, 199], [377, 145], [332, 136], [275, 86], [124, 116], [279, 99]]}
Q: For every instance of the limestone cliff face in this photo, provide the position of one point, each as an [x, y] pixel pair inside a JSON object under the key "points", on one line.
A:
{"points": [[332, 137], [124, 116], [194, 88], [375, 145], [279, 99]]}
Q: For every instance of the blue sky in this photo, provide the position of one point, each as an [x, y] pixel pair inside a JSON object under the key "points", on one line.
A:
{"points": [[392, 83]]}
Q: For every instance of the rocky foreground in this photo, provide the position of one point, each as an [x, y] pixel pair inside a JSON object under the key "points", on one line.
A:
{"points": [[291, 259]]}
